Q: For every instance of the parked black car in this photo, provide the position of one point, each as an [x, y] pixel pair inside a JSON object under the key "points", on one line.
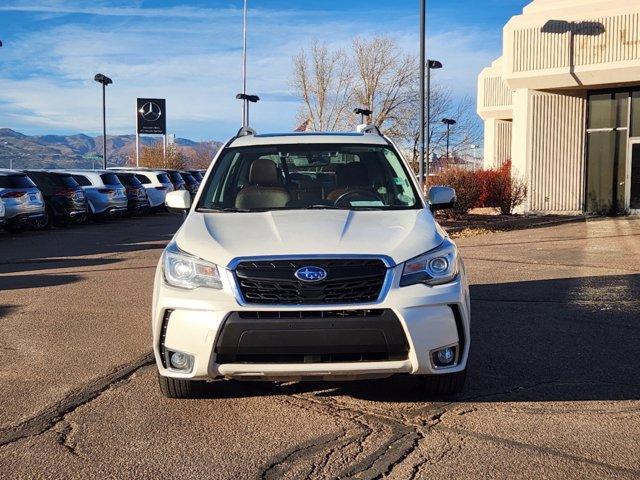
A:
{"points": [[65, 201], [197, 174], [176, 179], [191, 184], [137, 199]]}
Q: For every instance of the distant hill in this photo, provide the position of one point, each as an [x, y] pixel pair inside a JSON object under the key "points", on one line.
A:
{"points": [[79, 151]]}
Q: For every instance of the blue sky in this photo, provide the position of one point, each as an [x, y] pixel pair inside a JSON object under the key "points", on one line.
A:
{"points": [[189, 52]]}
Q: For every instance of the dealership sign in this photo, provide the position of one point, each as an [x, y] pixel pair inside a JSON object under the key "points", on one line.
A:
{"points": [[152, 116]]}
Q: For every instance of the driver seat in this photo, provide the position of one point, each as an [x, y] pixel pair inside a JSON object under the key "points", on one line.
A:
{"points": [[265, 189], [349, 176]]}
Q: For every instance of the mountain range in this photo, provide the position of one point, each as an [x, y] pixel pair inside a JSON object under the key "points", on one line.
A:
{"points": [[81, 151]]}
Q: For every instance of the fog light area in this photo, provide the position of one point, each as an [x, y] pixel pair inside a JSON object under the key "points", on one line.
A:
{"points": [[181, 361], [445, 357]]}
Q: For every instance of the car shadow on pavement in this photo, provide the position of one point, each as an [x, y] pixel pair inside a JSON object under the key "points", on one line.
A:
{"points": [[53, 264], [110, 237], [566, 339], [17, 282]]}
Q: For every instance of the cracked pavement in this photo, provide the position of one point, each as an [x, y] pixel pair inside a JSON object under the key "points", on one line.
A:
{"points": [[553, 388]]}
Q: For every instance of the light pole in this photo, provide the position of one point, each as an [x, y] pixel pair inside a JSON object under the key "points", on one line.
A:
{"points": [[104, 80], [431, 65], [423, 27], [448, 122]]}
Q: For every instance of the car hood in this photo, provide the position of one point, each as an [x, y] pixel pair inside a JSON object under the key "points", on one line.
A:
{"points": [[396, 234]]}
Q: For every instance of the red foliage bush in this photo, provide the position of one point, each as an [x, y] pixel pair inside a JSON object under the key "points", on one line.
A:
{"points": [[484, 188], [466, 186]]}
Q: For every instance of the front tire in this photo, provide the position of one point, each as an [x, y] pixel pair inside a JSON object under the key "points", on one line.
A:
{"points": [[445, 384], [179, 387]]}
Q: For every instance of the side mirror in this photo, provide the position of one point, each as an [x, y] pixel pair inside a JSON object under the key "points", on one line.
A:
{"points": [[178, 201], [441, 198]]}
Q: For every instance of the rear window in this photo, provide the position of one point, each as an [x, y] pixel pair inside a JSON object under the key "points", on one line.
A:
{"points": [[110, 179], [176, 177], [164, 178], [129, 179], [68, 181], [143, 179], [82, 180], [188, 178], [16, 181]]}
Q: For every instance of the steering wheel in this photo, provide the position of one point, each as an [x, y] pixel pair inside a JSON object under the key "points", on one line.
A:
{"points": [[363, 192]]}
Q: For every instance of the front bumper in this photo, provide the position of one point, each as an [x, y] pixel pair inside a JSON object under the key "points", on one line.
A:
{"points": [[191, 322]]}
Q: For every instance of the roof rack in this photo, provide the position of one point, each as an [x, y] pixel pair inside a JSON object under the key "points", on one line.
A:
{"points": [[365, 122], [370, 129]]}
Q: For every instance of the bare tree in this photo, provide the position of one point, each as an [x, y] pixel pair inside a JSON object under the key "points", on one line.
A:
{"points": [[201, 155], [383, 82], [378, 75], [324, 82]]}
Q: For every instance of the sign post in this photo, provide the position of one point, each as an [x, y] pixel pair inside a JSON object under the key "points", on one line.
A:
{"points": [[151, 119]]}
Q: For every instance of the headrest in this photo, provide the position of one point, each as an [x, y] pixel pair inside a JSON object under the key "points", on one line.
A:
{"points": [[263, 172], [352, 174]]}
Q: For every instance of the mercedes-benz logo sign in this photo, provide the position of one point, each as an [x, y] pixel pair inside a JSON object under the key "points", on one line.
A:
{"points": [[150, 111], [310, 274]]}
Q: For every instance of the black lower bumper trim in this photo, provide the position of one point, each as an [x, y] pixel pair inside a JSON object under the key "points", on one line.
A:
{"points": [[311, 337]]}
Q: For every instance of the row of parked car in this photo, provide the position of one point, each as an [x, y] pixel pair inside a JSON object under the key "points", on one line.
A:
{"points": [[40, 199]]}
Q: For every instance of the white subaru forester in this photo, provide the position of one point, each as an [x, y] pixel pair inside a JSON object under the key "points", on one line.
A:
{"points": [[310, 256]]}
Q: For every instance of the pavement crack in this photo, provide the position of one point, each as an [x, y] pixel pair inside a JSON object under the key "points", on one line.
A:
{"points": [[48, 418], [66, 437], [285, 461]]}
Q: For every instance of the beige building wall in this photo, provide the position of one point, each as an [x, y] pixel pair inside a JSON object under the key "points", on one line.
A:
{"points": [[556, 173], [553, 54], [497, 142]]}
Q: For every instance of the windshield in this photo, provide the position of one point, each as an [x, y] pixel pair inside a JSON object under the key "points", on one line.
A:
{"points": [[340, 176]]}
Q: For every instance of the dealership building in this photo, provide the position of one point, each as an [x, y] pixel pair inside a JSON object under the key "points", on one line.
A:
{"points": [[562, 103]]}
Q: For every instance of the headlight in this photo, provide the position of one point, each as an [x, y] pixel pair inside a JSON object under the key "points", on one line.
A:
{"points": [[433, 268], [186, 271]]}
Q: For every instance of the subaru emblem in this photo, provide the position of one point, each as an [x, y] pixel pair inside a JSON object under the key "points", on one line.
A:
{"points": [[310, 274]]}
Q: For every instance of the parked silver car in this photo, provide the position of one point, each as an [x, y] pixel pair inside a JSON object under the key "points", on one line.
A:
{"points": [[106, 196], [23, 202]]}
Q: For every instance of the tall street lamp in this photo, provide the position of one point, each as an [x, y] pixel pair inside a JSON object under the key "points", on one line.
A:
{"points": [[448, 122], [104, 80], [431, 65], [423, 28]]}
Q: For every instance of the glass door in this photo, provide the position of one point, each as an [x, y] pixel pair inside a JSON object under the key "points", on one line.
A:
{"points": [[607, 134]]}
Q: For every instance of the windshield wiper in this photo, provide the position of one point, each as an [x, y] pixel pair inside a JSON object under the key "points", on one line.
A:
{"points": [[323, 207], [228, 209]]}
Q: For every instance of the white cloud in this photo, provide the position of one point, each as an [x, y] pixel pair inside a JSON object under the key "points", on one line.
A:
{"points": [[181, 54]]}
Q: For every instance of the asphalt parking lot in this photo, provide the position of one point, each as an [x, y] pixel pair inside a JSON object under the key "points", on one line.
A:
{"points": [[553, 388]]}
